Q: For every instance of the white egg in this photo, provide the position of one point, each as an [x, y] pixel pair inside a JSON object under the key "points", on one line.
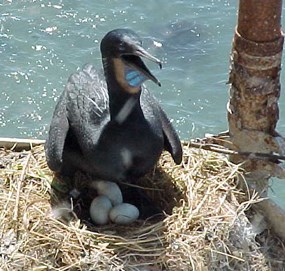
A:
{"points": [[99, 210], [124, 213], [110, 190]]}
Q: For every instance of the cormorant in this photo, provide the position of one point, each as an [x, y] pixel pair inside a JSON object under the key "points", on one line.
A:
{"points": [[113, 129]]}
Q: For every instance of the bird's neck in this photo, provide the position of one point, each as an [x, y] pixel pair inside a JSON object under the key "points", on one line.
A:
{"points": [[123, 104]]}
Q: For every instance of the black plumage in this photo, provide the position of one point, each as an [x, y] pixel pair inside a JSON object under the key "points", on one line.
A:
{"points": [[112, 127]]}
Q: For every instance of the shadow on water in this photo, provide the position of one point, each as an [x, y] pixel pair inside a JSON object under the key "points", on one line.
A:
{"points": [[180, 37]]}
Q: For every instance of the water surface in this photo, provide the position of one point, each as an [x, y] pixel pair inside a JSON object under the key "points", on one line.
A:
{"points": [[43, 42]]}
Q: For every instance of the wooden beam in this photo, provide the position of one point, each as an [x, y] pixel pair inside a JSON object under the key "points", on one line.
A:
{"points": [[19, 144]]}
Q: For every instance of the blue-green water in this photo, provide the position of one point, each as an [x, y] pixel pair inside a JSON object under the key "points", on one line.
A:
{"points": [[43, 42]]}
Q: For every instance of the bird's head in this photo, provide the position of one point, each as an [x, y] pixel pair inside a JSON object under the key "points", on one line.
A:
{"points": [[124, 48]]}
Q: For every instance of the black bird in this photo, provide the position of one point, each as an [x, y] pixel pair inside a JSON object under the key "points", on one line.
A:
{"points": [[113, 129]]}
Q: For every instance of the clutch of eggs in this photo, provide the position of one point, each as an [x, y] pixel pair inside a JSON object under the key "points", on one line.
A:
{"points": [[109, 205], [101, 211]]}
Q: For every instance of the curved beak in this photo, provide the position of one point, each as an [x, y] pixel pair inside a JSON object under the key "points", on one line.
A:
{"points": [[143, 53], [133, 59]]}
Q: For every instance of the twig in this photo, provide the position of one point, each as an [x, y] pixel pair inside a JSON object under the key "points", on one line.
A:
{"points": [[19, 186], [250, 155], [140, 187]]}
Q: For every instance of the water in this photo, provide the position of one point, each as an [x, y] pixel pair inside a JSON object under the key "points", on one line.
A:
{"points": [[43, 42]]}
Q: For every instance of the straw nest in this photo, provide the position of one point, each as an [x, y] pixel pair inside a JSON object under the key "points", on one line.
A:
{"points": [[204, 227]]}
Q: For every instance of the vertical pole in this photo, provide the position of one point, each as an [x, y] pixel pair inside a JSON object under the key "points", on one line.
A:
{"points": [[255, 71], [254, 92]]}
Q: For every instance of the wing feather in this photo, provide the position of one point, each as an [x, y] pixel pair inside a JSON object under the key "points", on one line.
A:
{"points": [[57, 134]]}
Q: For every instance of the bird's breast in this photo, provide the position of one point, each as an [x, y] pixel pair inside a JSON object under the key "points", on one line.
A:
{"points": [[127, 152]]}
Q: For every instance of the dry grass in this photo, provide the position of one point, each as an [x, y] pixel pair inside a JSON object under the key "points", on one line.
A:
{"points": [[205, 227]]}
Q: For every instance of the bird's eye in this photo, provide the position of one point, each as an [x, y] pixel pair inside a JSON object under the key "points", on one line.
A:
{"points": [[121, 47]]}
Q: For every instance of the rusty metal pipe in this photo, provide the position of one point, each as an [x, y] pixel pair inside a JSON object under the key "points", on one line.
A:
{"points": [[255, 70], [254, 92], [260, 20]]}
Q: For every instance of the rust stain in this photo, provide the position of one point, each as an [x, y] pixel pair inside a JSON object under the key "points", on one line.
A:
{"points": [[255, 86]]}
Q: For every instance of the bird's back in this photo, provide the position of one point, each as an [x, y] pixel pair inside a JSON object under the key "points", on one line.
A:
{"points": [[87, 106], [80, 114]]}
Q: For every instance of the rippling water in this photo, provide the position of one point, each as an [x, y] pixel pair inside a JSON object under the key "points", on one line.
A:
{"points": [[43, 42]]}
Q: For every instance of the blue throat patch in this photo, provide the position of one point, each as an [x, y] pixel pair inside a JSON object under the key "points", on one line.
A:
{"points": [[134, 77]]}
